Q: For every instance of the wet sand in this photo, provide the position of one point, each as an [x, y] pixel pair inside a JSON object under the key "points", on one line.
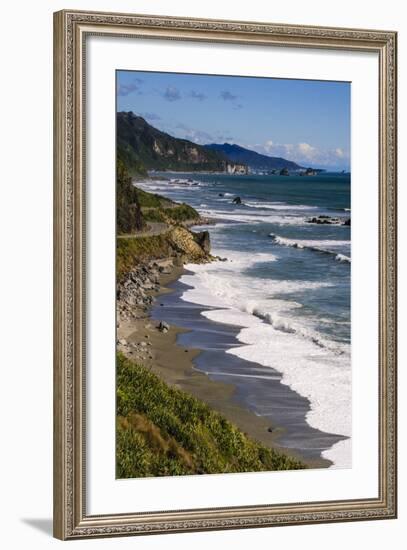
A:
{"points": [[191, 356]]}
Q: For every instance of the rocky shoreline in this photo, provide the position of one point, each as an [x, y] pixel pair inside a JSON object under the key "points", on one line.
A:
{"points": [[138, 288], [135, 292], [153, 341]]}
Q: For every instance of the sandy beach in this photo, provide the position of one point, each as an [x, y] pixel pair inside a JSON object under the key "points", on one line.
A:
{"points": [[141, 340]]}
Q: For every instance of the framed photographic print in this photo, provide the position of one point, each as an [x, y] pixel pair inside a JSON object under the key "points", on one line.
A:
{"points": [[225, 274]]}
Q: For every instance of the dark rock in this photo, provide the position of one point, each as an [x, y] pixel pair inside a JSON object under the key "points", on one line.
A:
{"points": [[220, 195], [309, 172], [270, 429], [163, 326], [347, 222], [237, 200], [202, 238], [324, 220]]}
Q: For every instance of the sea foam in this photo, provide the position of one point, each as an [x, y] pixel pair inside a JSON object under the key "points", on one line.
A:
{"points": [[325, 246], [272, 335]]}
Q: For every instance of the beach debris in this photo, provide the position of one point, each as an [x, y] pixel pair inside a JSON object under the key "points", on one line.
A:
{"points": [[163, 327]]}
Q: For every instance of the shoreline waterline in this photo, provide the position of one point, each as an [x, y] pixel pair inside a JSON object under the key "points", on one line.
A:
{"points": [[289, 295], [257, 389], [177, 367]]}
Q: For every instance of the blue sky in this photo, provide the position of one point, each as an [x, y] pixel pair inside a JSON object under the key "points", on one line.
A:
{"points": [[302, 120]]}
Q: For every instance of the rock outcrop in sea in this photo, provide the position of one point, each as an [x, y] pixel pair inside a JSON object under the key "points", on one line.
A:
{"points": [[328, 220]]}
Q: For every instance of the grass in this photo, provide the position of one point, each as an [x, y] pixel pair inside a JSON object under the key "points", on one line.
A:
{"points": [[156, 208], [181, 213], [163, 431], [130, 252], [154, 215], [176, 214], [152, 200]]}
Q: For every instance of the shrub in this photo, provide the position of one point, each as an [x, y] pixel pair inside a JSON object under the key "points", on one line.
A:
{"points": [[162, 430]]}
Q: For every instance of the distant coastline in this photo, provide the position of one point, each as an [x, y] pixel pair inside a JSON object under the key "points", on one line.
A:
{"points": [[144, 148]]}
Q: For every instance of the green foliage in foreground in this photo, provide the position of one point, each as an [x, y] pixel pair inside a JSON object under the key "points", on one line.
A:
{"points": [[164, 431]]}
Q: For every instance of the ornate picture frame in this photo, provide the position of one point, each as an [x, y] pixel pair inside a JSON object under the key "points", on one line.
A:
{"points": [[71, 30]]}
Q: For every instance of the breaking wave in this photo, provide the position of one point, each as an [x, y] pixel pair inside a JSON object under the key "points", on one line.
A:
{"points": [[322, 246]]}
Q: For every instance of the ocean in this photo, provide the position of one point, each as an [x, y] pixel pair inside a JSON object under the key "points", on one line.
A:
{"points": [[284, 287]]}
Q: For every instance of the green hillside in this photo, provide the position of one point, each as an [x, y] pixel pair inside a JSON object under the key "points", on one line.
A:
{"points": [[142, 147], [164, 431]]}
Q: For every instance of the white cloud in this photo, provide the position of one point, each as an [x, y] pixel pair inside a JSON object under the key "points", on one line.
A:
{"points": [[307, 149], [304, 153], [197, 136]]}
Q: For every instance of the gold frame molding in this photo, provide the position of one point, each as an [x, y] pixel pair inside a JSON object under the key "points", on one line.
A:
{"points": [[70, 31]]}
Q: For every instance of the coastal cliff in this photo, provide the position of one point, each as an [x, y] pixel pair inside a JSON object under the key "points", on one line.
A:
{"points": [[141, 260], [142, 147]]}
